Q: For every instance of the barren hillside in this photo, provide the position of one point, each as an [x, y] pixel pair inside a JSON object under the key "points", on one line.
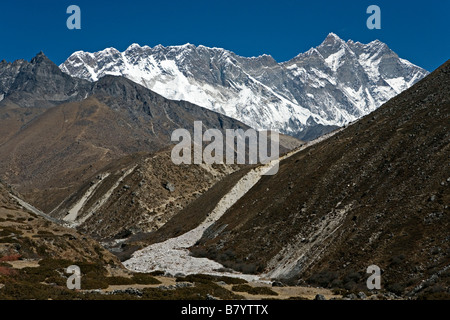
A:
{"points": [[375, 193]]}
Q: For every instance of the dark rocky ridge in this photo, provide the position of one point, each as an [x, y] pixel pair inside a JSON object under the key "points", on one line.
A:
{"points": [[375, 193], [56, 131], [29, 236], [311, 94], [39, 83]]}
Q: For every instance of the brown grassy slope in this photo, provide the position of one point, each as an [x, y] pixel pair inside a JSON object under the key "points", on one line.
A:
{"points": [[25, 235], [54, 153], [50, 146], [189, 216], [122, 205], [13, 118], [387, 177]]}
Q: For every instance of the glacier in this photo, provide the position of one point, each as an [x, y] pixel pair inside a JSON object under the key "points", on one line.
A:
{"points": [[326, 87]]}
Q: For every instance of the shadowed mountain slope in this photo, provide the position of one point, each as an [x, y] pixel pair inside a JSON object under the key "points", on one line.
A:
{"points": [[375, 193], [59, 131]]}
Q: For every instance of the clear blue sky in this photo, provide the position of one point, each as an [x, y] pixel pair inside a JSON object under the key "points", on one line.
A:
{"points": [[417, 30]]}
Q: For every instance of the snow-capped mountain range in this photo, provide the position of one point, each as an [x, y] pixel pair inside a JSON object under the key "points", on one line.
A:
{"points": [[327, 86]]}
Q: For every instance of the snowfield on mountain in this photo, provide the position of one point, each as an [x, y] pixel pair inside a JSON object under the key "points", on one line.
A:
{"points": [[311, 94]]}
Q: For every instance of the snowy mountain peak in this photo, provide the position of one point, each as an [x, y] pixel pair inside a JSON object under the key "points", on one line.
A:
{"points": [[333, 37], [133, 46], [110, 51], [186, 46], [327, 86], [332, 40], [310, 52], [332, 45]]}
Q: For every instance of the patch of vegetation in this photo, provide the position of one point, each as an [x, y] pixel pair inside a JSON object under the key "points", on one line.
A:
{"points": [[323, 279], [231, 280], [205, 278], [435, 292], [13, 257], [434, 296], [157, 273], [93, 276], [397, 260], [8, 240], [45, 233], [254, 290], [352, 281], [8, 231], [89, 283], [99, 251], [396, 288], [197, 278], [7, 271], [200, 291], [340, 291], [144, 278], [119, 281], [247, 268], [48, 269], [21, 290]]}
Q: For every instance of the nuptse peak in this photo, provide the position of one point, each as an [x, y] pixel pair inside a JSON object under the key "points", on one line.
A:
{"points": [[327, 86]]}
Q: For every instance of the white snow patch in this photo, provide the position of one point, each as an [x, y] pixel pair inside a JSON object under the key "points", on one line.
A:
{"points": [[398, 84], [370, 64], [334, 60], [323, 75], [252, 101]]}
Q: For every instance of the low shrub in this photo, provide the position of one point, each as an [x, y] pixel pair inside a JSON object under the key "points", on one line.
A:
{"points": [[231, 280], [144, 278], [6, 271], [396, 288], [324, 279], [200, 291], [254, 290], [206, 278], [13, 257], [197, 278], [45, 233], [434, 296], [88, 283], [8, 231], [119, 281]]}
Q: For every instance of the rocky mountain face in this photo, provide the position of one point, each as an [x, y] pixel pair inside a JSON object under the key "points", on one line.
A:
{"points": [[39, 83], [311, 94], [377, 193], [27, 89], [137, 194], [58, 131]]}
